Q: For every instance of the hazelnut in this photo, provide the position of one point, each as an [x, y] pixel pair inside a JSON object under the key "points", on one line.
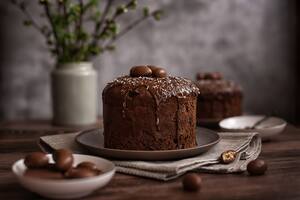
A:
{"points": [[228, 156]]}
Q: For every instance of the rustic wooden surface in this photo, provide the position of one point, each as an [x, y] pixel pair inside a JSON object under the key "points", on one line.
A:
{"points": [[282, 180]]}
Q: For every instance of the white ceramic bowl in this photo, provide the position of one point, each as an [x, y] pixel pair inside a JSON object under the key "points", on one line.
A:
{"points": [[267, 129], [66, 188]]}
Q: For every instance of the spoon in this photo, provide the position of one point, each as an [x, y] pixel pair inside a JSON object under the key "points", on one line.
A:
{"points": [[257, 123]]}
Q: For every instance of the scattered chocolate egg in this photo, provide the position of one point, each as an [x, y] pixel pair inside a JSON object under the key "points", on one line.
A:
{"points": [[80, 173], [63, 159], [257, 167], [39, 166], [36, 160], [43, 174], [88, 165], [140, 71], [192, 182]]}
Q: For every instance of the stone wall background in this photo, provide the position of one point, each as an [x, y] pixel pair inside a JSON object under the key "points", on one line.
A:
{"points": [[249, 41]]}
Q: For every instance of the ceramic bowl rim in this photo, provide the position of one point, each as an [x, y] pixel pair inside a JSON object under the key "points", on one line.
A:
{"points": [[282, 123], [20, 174]]}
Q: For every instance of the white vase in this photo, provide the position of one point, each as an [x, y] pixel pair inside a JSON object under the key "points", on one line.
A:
{"points": [[74, 94]]}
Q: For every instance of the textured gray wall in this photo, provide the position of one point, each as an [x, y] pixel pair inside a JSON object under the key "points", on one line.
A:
{"points": [[247, 40]]}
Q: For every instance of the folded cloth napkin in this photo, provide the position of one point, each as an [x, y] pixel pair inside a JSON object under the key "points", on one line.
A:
{"points": [[248, 146]]}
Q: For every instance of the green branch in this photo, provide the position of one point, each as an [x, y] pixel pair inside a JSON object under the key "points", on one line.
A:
{"points": [[50, 19], [67, 36], [156, 14], [100, 23], [30, 20]]}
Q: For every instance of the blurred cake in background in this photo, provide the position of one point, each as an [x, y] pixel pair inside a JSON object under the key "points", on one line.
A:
{"points": [[218, 98]]}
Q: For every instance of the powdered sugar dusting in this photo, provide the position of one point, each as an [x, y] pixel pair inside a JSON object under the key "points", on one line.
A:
{"points": [[161, 88], [217, 86]]}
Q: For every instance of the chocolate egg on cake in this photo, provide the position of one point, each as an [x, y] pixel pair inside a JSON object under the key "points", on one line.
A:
{"points": [[218, 98], [149, 110]]}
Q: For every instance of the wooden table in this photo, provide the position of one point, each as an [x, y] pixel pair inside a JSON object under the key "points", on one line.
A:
{"points": [[282, 180]]}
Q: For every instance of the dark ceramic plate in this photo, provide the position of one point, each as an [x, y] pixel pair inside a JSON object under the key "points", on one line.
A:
{"points": [[93, 141]]}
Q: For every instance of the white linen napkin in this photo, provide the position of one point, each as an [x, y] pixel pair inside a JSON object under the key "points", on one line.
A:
{"points": [[248, 146]]}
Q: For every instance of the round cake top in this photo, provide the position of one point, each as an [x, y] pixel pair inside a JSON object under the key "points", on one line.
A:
{"points": [[213, 82], [155, 81]]}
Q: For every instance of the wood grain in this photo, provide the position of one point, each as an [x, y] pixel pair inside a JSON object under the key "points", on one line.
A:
{"points": [[282, 180]]}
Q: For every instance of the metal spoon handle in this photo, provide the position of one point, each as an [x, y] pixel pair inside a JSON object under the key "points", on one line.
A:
{"points": [[259, 122]]}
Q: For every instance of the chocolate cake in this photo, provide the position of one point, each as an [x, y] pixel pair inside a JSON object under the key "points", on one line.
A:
{"points": [[149, 110], [218, 98]]}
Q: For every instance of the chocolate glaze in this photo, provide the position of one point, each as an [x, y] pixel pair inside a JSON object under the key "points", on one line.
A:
{"points": [[161, 88]]}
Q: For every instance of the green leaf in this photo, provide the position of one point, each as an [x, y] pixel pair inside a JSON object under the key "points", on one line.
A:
{"points": [[69, 36], [112, 27], [95, 50], [63, 2], [146, 11], [103, 36], [93, 2], [75, 9], [94, 16], [50, 42], [83, 36], [43, 1], [157, 14], [27, 22], [121, 9], [115, 29], [132, 4]]}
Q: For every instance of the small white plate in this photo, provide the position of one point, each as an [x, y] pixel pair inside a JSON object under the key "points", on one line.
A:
{"points": [[66, 188], [267, 129], [93, 141]]}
